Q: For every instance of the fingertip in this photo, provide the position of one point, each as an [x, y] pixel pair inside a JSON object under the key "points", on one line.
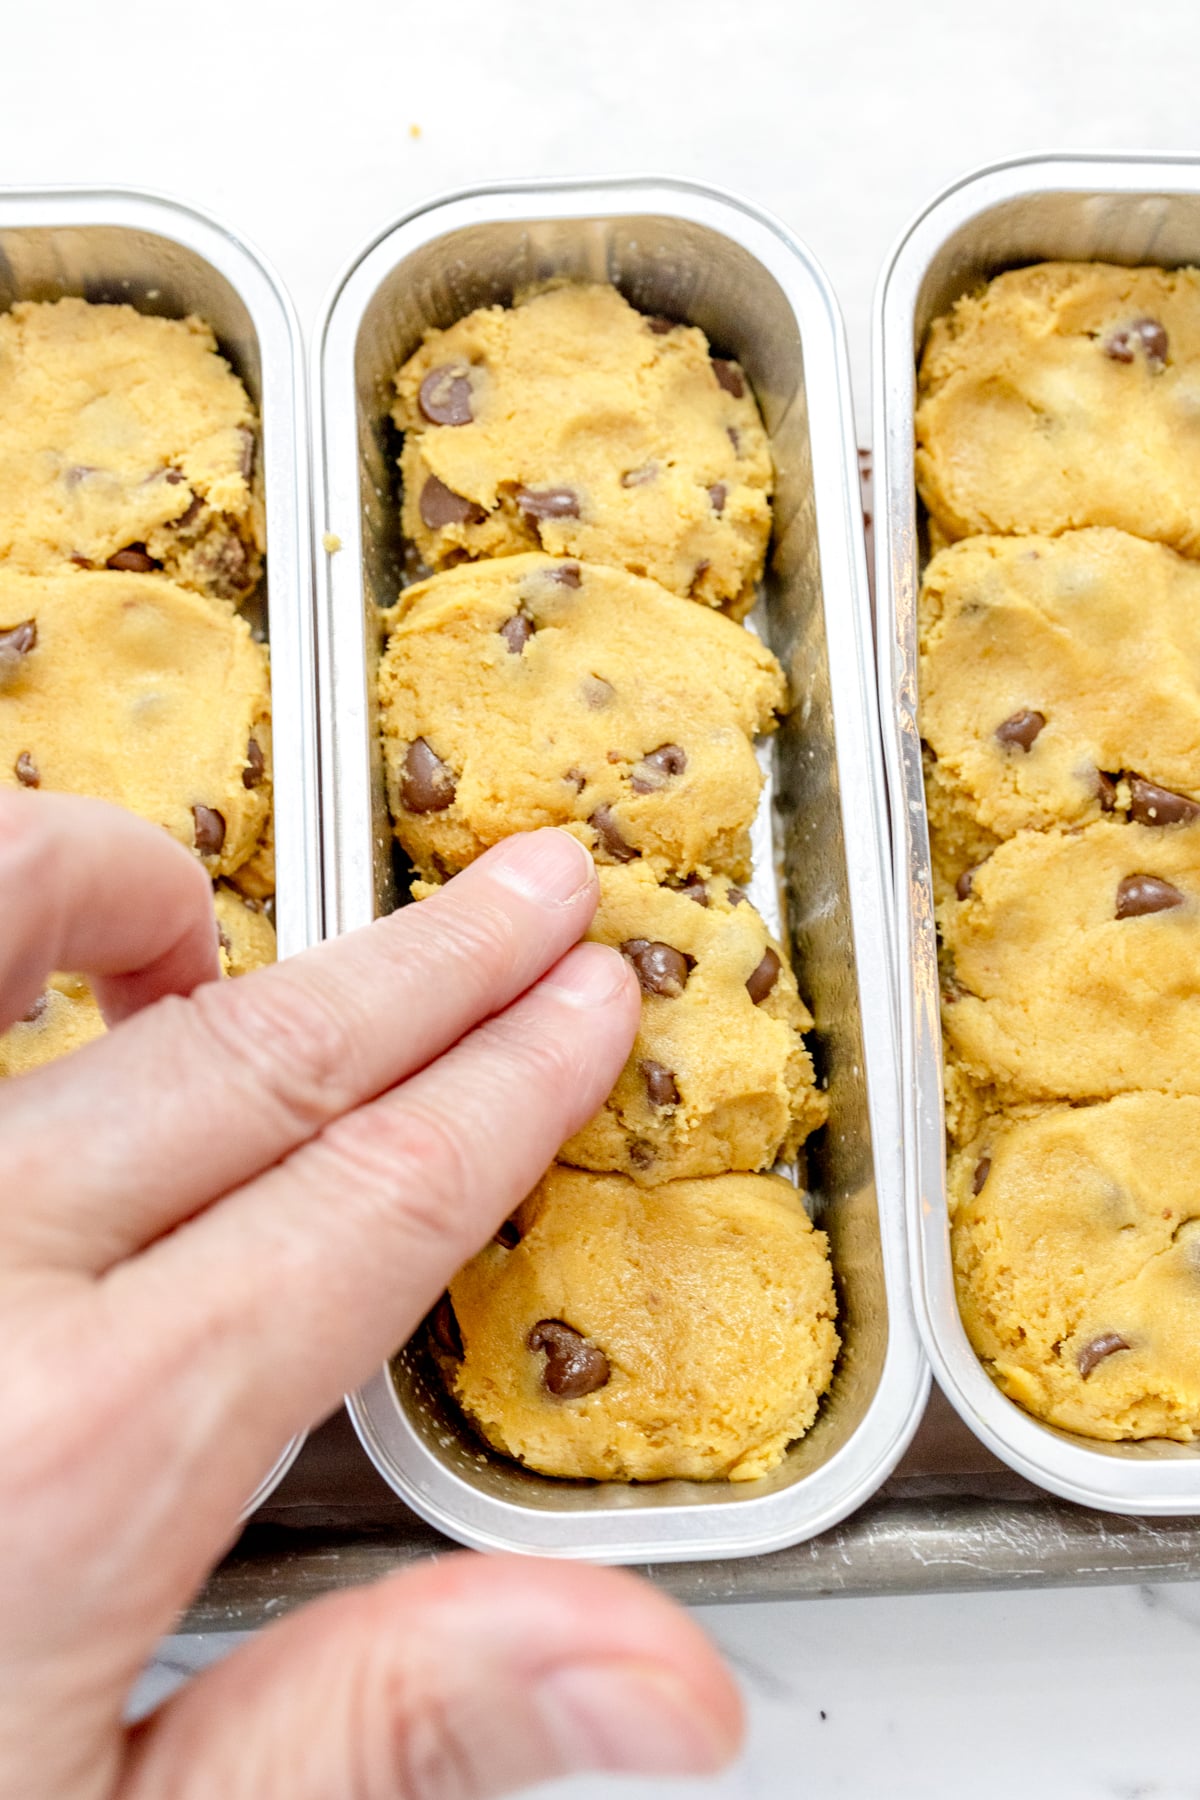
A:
{"points": [[590, 976], [549, 867]]}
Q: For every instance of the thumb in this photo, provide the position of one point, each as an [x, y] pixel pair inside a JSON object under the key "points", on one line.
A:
{"points": [[467, 1677]]}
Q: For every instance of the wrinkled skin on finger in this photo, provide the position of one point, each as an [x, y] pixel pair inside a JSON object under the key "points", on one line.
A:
{"points": [[215, 1220]]}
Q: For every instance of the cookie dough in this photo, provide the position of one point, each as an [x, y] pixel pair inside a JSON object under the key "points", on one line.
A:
{"points": [[1059, 680], [1062, 395], [719, 1077], [614, 1332], [573, 424], [1076, 1236], [533, 691], [1074, 964], [245, 934], [125, 441], [129, 688]]}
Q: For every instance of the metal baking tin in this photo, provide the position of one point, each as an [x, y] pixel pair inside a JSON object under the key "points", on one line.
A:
{"points": [[162, 257], [1115, 209], [692, 253]]}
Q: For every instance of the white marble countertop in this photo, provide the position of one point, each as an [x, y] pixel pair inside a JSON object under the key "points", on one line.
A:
{"points": [[297, 126]]}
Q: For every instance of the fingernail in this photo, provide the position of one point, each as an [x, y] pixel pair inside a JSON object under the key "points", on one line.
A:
{"points": [[548, 866], [628, 1716], [588, 976]]}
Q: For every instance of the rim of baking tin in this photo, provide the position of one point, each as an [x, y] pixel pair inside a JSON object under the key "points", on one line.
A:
{"points": [[284, 417], [1110, 1478], [820, 1499]]}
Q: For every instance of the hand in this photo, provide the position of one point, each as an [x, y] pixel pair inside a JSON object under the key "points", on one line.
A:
{"points": [[215, 1220]]}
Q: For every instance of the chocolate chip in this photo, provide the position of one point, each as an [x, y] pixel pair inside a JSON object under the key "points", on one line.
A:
{"points": [[36, 1010], [983, 1169], [134, 559], [660, 1083], [660, 968], [1150, 804], [1141, 894], [225, 562], [734, 895], [426, 784], [702, 569], [717, 495], [763, 979], [1106, 791], [172, 477], [440, 506], [548, 503], [27, 771], [573, 1366], [1020, 731], [657, 767], [1148, 335], [209, 830], [1107, 1344], [640, 1154], [194, 508], [597, 692], [445, 396], [256, 765], [660, 325], [729, 376], [603, 822], [928, 751], [731, 433], [248, 449], [509, 1235], [224, 941], [443, 1326], [963, 885], [18, 640], [81, 562], [639, 477], [567, 575], [577, 778], [695, 888], [517, 632]]}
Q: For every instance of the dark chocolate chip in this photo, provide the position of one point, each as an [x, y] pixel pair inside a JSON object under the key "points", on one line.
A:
{"points": [[1106, 791], [172, 477], [1138, 895], [209, 830], [1021, 730], [1148, 335], [734, 895], [603, 822], [729, 376], [36, 1010], [573, 1366], [445, 396], [509, 1235], [18, 640], [567, 575], [256, 765], [548, 503], [27, 771], [983, 1169], [928, 751], [660, 1083], [81, 562], [731, 432], [639, 477], [226, 564], [657, 767], [695, 888], [717, 494], [1150, 804], [963, 885], [248, 449], [640, 1154], [764, 977], [1107, 1344], [134, 559], [443, 1326], [188, 517], [517, 632], [426, 784], [597, 692], [660, 968], [660, 325], [577, 778], [440, 505]]}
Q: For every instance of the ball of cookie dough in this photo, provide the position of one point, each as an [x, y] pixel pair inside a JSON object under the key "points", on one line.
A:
{"points": [[1060, 680], [529, 691], [573, 424], [131, 689], [245, 934], [1075, 964], [719, 1077], [1076, 1236], [621, 1333], [125, 441], [1066, 394]]}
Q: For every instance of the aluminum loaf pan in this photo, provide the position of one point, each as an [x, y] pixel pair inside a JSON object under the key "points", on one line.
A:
{"points": [[697, 255], [1115, 209], [162, 257]]}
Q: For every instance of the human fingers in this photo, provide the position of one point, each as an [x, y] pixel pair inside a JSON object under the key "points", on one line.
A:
{"points": [[246, 1071], [265, 1309], [466, 1678], [93, 889]]}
